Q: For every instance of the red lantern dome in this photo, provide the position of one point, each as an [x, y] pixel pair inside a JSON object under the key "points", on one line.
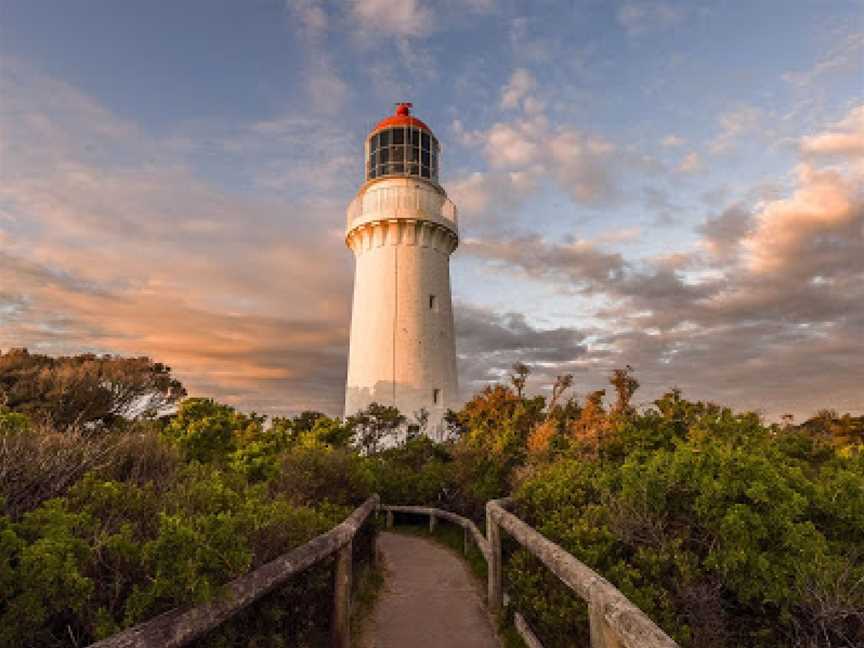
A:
{"points": [[402, 145], [402, 117]]}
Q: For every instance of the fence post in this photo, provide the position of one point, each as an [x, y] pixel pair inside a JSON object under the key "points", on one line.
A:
{"points": [[341, 625], [389, 519], [433, 520], [602, 635], [493, 536]]}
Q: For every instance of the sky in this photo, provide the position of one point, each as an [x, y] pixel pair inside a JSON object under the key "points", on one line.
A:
{"points": [[674, 186]]}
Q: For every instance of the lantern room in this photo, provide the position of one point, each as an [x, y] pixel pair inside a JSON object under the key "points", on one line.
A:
{"points": [[402, 145]]}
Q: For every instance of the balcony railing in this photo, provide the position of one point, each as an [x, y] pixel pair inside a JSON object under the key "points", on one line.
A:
{"points": [[401, 201]]}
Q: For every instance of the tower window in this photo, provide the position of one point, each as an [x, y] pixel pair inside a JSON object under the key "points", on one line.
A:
{"points": [[436, 396], [433, 303]]}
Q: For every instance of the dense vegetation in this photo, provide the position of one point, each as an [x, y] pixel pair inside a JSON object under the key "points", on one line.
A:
{"points": [[725, 530]]}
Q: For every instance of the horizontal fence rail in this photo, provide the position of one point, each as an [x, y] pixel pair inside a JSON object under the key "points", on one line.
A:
{"points": [[614, 621], [181, 626], [434, 514], [470, 530]]}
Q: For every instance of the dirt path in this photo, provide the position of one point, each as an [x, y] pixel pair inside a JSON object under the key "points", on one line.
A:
{"points": [[430, 599]]}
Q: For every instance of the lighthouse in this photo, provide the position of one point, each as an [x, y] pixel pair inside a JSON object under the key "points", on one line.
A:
{"points": [[402, 229]]}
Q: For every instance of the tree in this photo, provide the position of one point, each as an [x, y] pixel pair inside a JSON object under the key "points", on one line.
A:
{"points": [[541, 438], [625, 386], [85, 391], [519, 377], [373, 424]]}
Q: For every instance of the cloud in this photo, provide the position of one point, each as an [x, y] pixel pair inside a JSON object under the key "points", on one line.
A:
{"points": [[579, 264], [407, 18], [672, 141], [690, 163], [844, 139], [639, 17], [521, 84], [328, 92], [109, 251], [722, 235], [484, 196], [845, 55], [311, 15], [489, 343], [765, 312], [813, 231], [524, 152], [734, 125]]}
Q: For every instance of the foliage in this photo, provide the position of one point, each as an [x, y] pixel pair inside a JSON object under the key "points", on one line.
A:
{"points": [[374, 425], [162, 520], [85, 391], [709, 524], [726, 531]]}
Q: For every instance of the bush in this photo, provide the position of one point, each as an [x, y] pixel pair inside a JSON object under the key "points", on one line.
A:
{"points": [[708, 525]]}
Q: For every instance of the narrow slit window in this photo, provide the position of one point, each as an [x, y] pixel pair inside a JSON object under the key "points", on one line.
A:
{"points": [[433, 303], [436, 396]]}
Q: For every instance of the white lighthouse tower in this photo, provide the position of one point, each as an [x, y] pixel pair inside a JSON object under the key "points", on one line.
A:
{"points": [[402, 229]]}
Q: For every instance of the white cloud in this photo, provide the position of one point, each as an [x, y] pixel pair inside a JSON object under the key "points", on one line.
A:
{"points": [[399, 17], [522, 83], [845, 138]]}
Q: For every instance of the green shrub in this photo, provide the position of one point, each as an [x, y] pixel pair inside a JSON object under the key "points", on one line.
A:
{"points": [[712, 528]]}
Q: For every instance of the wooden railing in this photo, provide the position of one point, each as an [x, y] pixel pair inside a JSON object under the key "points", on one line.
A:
{"points": [[614, 622], [181, 626]]}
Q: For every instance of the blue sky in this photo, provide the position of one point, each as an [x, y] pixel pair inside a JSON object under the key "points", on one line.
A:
{"points": [[673, 185]]}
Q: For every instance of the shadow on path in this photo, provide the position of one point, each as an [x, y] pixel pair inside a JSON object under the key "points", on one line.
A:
{"points": [[430, 599]]}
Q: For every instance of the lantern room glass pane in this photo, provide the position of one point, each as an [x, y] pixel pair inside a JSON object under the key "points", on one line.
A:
{"points": [[414, 169], [424, 158], [397, 168], [424, 138], [384, 155], [397, 153], [424, 172], [398, 135], [384, 138]]}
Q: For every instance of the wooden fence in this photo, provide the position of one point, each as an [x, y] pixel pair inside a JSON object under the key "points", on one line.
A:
{"points": [[181, 626], [614, 622]]}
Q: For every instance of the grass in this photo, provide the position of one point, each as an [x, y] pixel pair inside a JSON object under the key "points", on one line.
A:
{"points": [[451, 537]]}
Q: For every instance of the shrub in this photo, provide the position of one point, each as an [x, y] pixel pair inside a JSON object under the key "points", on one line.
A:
{"points": [[702, 519]]}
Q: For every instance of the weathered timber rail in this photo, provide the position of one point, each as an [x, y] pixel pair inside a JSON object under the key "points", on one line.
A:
{"points": [[614, 622], [181, 626]]}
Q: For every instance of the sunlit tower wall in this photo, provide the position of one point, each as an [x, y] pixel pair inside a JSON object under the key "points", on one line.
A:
{"points": [[402, 229]]}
